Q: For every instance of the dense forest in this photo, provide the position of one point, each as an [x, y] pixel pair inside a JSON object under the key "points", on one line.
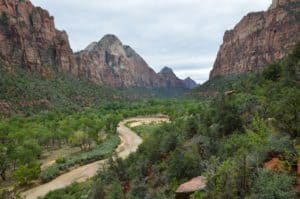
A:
{"points": [[229, 139]]}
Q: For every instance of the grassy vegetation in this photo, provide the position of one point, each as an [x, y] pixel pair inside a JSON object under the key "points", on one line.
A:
{"points": [[76, 190], [102, 151], [145, 131]]}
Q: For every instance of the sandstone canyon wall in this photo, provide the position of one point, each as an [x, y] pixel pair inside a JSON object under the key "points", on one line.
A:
{"points": [[28, 38], [259, 38]]}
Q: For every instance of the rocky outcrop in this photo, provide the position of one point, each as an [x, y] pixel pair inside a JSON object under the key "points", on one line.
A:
{"points": [[189, 83], [28, 38], [259, 38], [110, 63], [185, 190], [171, 80]]}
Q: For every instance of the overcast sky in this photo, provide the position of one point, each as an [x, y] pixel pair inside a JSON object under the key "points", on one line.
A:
{"points": [[182, 34]]}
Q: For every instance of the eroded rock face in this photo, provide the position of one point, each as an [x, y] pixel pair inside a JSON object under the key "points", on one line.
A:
{"points": [[171, 80], [28, 38], [259, 38], [109, 62]]}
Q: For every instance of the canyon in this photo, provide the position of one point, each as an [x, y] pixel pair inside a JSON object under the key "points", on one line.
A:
{"points": [[29, 39]]}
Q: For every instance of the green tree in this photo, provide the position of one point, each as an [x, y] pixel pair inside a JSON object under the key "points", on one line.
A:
{"points": [[272, 185], [272, 72], [116, 191], [25, 174], [81, 139], [227, 116], [223, 181], [4, 161], [286, 111]]}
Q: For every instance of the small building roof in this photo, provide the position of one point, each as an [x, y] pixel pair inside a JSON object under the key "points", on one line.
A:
{"points": [[193, 185]]}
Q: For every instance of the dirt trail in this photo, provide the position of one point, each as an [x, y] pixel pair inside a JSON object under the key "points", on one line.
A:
{"points": [[129, 144]]}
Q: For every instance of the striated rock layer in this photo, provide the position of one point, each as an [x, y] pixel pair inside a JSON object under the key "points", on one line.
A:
{"points": [[109, 62], [28, 38], [259, 38]]}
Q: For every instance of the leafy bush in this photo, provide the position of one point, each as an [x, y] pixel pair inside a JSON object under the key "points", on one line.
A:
{"points": [[269, 185], [50, 173], [25, 174], [272, 72], [74, 191], [60, 160], [146, 130]]}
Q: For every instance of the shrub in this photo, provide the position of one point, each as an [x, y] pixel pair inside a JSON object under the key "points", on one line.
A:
{"points": [[25, 174], [74, 191], [50, 173], [60, 160], [269, 185], [272, 72]]}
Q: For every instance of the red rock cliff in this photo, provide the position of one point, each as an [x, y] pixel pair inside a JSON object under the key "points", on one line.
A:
{"points": [[259, 38], [28, 38], [109, 62]]}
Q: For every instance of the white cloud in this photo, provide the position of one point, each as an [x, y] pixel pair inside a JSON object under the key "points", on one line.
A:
{"points": [[169, 32]]}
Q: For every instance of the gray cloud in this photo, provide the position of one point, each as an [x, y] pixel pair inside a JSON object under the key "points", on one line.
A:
{"points": [[183, 34]]}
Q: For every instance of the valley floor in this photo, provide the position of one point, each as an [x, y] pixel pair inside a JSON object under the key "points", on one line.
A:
{"points": [[129, 144]]}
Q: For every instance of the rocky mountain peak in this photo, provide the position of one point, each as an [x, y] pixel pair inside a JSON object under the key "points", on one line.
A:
{"points": [[109, 62], [167, 70], [170, 78], [110, 40], [190, 83], [111, 44]]}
